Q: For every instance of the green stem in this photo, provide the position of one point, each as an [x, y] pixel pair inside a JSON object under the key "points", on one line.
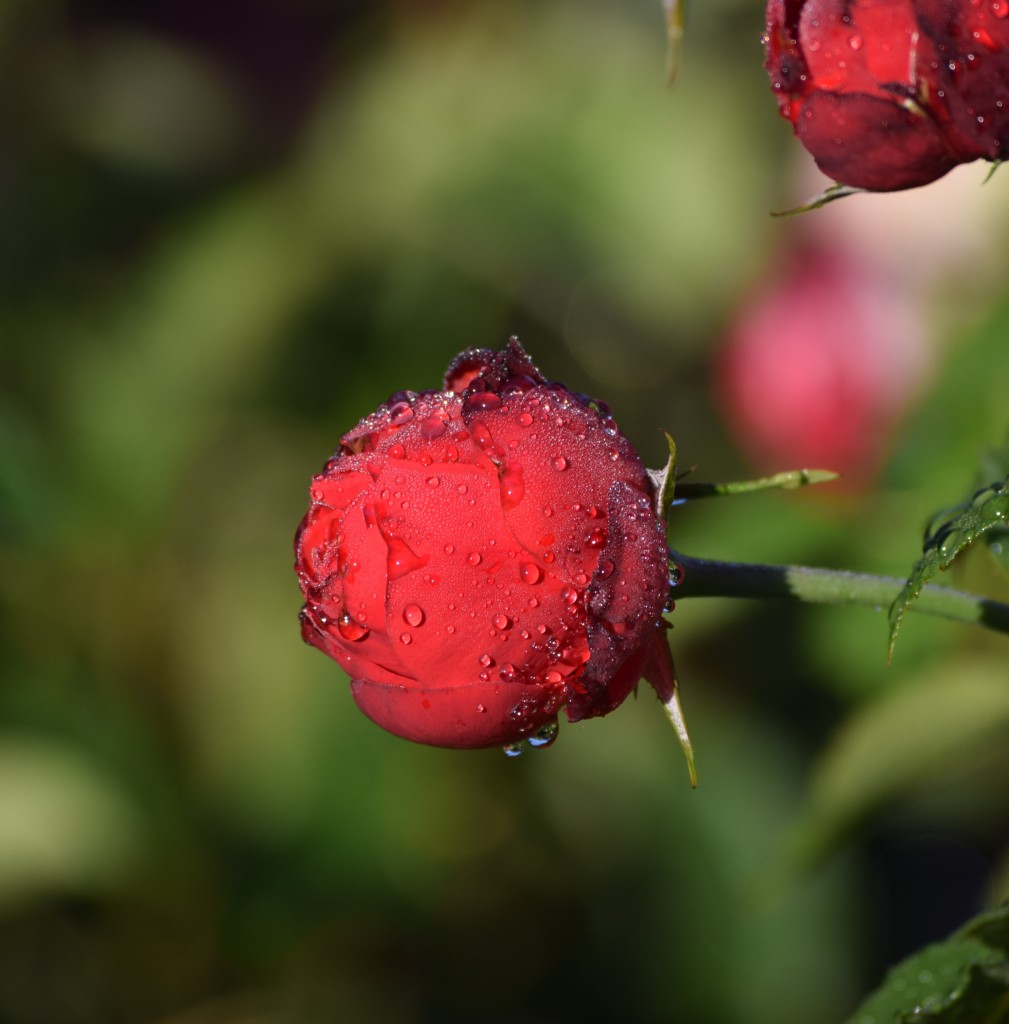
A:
{"points": [[703, 577]]}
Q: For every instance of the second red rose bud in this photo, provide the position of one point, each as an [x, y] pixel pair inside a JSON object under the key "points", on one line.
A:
{"points": [[891, 94]]}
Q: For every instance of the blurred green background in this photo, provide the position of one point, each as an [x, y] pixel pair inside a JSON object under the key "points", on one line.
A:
{"points": [[230, 229]]}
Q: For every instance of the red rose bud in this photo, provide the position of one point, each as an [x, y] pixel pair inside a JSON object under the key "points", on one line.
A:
{"points": [[480, 557], [890, 94]]}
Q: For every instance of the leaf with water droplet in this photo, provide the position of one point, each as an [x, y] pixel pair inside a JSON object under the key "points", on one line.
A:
{"points": [[961, 980], [947, 535]]}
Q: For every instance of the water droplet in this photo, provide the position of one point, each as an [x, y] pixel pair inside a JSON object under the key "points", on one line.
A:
{"points": [[486, 660], [405, 638], [561, 463], [512, 486], [431, 428], [569, 595], [400, 413], [525, 419], [553, 676], [507, 672], [597, 538], [401, 559], [433, 481], [548, 557], [474, 558], [413, 615], [481, 709], [855, 41], [482, 401], [512, 749], [1000, 8], [530, 572], [351, 629], [396, 451], [676, 574], [544, 736], [451, 453], [450, 629], [449, 548], [501, 621]]}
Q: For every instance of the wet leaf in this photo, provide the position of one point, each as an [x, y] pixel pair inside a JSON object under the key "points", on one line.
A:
{"points": [[949, 532], [964, 980]]}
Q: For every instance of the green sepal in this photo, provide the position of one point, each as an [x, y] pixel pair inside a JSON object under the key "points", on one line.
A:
{"points": [[787, 481], [664, 481], [828, 195], [675, 10]]}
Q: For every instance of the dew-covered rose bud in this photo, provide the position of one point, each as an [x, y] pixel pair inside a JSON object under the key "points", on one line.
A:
{"points": [[480, 557], [890, 94]]}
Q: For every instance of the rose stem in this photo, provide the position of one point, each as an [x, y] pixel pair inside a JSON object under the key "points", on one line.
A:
{"points": [[704, 577]]}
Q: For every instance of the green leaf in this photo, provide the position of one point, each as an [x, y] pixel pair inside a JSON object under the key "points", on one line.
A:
{"points": [[788, 481], [904, 741], [946, 536], [964, 980]]}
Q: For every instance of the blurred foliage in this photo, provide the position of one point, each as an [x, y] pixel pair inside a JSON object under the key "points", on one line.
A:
{"points": [[226, 232]]}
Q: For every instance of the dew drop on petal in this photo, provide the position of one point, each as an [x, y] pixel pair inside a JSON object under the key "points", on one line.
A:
{"points": [[569, 595], [433, 481], [405, 638], [413, 615], [561, 463], [507, 672], [501, 621], [530, 572], [512, 486], [525, 419], [482, 401], [486, 660], [481, 709], [597, 538], [400, 413], [449, 548], [351, 629], [855, 41], [396, 451], [553, 676], [544, 736], [474, 558], [431, 428]]}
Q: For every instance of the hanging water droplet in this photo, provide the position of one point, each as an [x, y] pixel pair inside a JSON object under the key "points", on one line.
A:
{"points": [[676, 574], [350, 629], [512, 749], [544, 736], [413, 615]]}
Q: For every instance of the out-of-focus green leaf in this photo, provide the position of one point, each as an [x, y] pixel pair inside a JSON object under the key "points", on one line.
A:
{"points": [[964, 980], [904, 740], [64, 824], [946, 537]]}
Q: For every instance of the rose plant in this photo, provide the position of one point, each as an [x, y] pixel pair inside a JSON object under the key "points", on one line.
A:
{"points": [[890, 94], [479, 557]]}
